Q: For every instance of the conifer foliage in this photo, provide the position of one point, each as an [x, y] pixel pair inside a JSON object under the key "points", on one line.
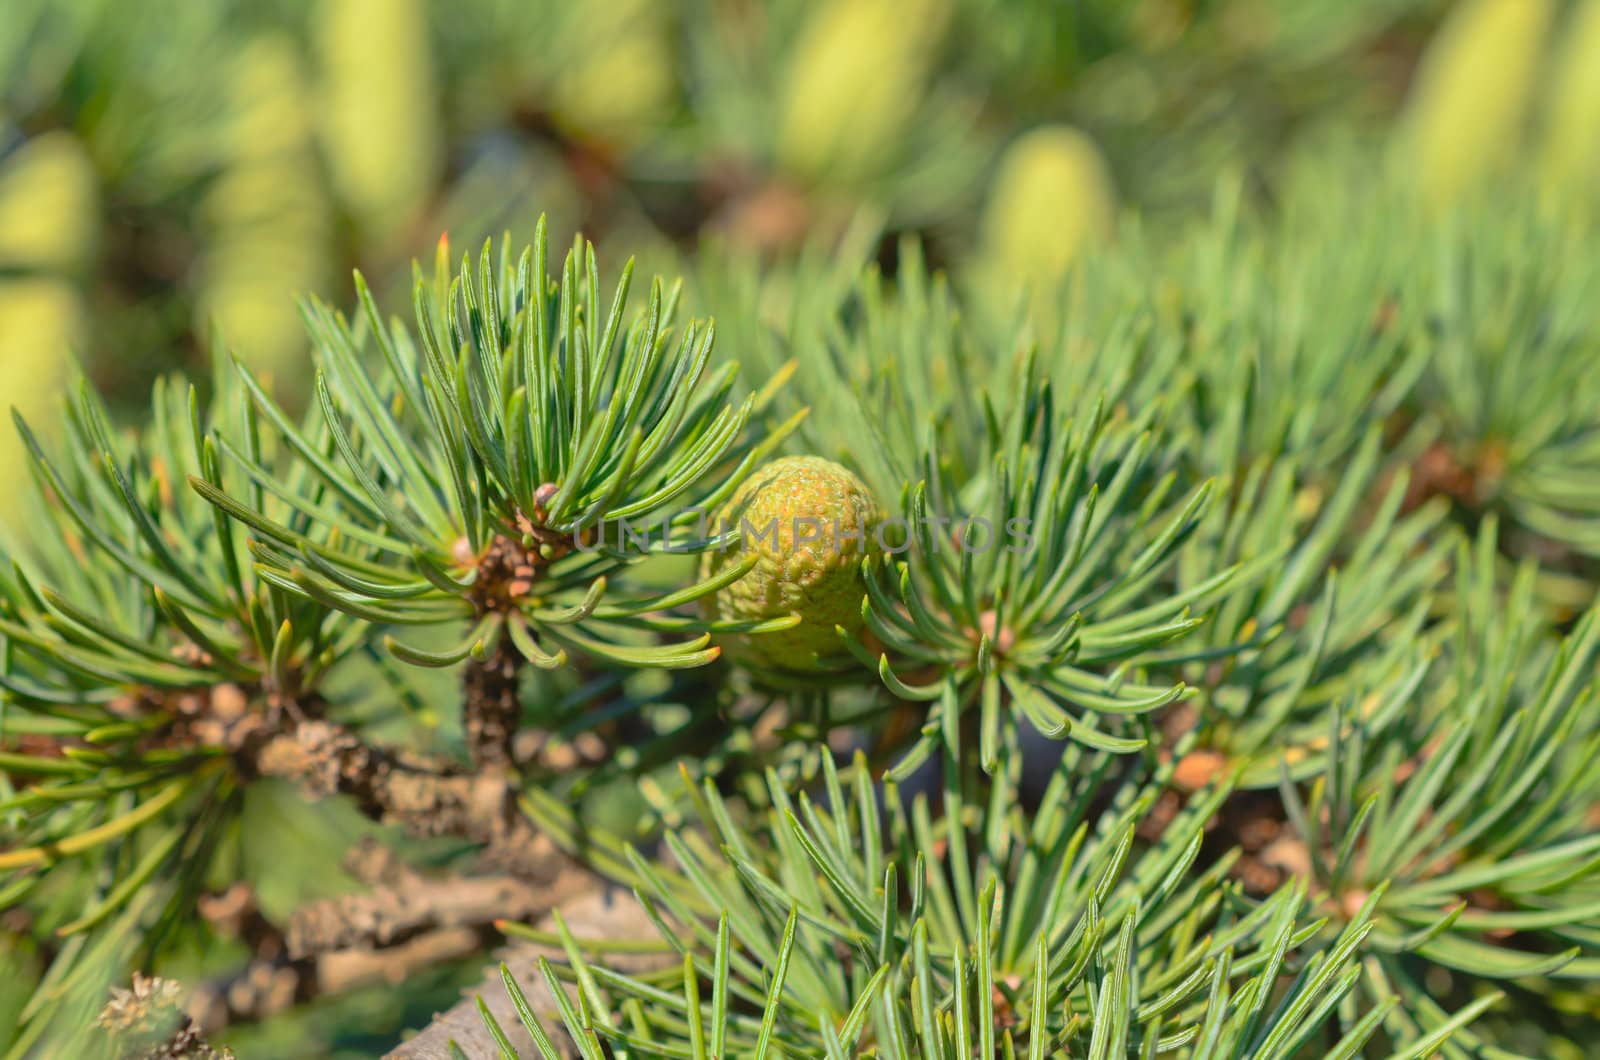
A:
{"points": [[1173, 712]]}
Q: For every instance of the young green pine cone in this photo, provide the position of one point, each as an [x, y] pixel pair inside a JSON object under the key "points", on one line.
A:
{"points": [[810, 522]]}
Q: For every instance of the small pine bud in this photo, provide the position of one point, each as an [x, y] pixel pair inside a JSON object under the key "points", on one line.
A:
{"points": [[1466, 113], [379, 108], [810, 522], [49, 206], [856, 75], [1052, 199], [266, 216], [1571, 150], [49, 227], [616, 80]]}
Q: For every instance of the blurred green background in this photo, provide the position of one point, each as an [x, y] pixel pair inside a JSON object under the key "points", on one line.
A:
{"points": [[174, 171], [174, 175], [168, 169]]}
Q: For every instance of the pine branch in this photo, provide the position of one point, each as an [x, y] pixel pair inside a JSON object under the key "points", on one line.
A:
{"points": [[601, 914], [404, 903], [491, 705], [1327, 733], [269, 987], [428, 799], [808, 939]]}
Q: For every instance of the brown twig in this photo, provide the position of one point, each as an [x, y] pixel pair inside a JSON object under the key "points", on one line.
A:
{"points": [[406, 922], [427, 798], [507, 570], [412, 904], [598, 913], [491, 705], [268, 986]]}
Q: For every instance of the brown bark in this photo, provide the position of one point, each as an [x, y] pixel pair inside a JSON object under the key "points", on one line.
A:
{"points": [[408, 921], [269, 986], [426, 798], [491, 705], [411, 903], [598, 913]]}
